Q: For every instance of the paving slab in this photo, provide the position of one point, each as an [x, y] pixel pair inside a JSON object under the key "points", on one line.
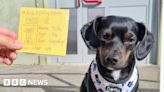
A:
{"points": [[66, 77]]}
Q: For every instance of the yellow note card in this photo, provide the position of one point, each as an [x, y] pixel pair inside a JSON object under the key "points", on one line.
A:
{"points": [[44, 31]]}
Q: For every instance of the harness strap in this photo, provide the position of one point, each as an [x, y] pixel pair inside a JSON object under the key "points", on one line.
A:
{"points": [[103, 85]]}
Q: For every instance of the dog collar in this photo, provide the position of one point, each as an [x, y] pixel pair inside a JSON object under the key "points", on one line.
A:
{"points": [[103, 85]]}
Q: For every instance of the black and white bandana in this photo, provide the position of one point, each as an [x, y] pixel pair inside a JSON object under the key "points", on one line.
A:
{"points": [[102, 85]]}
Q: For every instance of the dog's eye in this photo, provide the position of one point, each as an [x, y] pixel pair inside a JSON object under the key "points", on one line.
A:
{"points": [[130, 39], [107, 36]]}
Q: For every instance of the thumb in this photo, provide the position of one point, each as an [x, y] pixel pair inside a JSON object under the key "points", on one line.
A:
{"points": [[9, 43]]}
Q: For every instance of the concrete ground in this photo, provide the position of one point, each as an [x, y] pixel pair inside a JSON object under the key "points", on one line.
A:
{"points": [[66, 77]]}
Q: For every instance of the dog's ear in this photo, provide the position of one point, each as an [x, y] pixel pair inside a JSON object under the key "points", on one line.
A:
{"points": [[89, 33], [146, 40]]}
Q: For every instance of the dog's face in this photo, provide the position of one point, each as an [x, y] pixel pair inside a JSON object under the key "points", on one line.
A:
{"points": [[116, 39]]}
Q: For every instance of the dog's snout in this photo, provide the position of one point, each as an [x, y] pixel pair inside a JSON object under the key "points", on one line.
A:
{"points": [[116, 52], [113, 60], [114, 57]]}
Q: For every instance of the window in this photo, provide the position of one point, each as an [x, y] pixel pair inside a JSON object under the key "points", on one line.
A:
{"points": [[72, 33]]}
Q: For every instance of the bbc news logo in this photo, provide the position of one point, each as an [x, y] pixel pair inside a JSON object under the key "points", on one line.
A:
{"points": [[24, 82]]}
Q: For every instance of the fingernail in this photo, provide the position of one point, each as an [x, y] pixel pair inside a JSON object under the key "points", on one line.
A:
{"points": [[7, 61], [18, 44]]}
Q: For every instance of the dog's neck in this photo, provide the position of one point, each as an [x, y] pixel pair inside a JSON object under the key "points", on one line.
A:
{"points": [[116, 76]]}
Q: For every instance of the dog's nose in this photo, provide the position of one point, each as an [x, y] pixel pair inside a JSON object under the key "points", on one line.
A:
{"points": [[113, 60]]}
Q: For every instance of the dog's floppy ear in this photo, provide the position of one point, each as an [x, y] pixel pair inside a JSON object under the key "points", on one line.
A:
{"points": [[89, 33], [146, 42]]}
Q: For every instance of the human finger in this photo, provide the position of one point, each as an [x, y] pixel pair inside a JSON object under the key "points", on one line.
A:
{"points": [[10, 43], [8, 33], [7, 61], [1, 59], [12, 55]]}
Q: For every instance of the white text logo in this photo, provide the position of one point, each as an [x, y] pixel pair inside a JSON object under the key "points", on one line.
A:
{"points": [[24, 82]]}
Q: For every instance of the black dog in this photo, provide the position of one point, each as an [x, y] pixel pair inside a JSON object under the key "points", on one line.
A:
{"points": [[117, 41]]}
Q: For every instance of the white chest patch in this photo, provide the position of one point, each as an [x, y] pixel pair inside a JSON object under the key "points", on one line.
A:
{"points": [[116, 74]]}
